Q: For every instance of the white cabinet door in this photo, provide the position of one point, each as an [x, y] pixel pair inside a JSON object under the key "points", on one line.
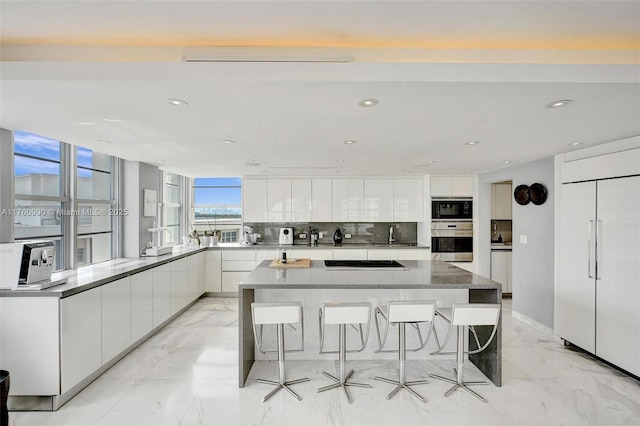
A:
{"points": [[350, 254], [161, 294], [462, 186], [195, 282], [116, 318], [321, 194], [618, 272], [179, 284], [501, 201], [340, 200], [214, 271], [80, 337], [313, 254], [500, 269], [440, 186], [378, 202], [230, 280], [141, 304], [254, 200], [414, 254], [407, 200], [451, 186], [575, 305], [382, 254], [279, 200], [356, 200], [510, 272], [301, 200]]}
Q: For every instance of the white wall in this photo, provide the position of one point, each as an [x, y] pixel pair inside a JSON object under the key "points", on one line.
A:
{"points": [[533, 262], [137, 177]]}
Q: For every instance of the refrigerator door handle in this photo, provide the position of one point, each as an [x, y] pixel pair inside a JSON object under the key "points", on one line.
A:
{"points": [[590, 250], [598, 249]]}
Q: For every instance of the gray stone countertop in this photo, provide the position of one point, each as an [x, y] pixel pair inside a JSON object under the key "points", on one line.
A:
{"points": [[88, 277], [416, 274], [347, 246]]}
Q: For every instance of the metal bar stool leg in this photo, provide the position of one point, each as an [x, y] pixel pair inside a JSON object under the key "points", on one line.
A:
{"points": [[282, 383], [343, 380], [402, 356]]}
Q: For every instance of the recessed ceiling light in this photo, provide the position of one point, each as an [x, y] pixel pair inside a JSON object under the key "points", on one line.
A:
{"points": [[506, 162], [340, 161], [575, 143], [159, 161], [229, 141], [350, 142], [427, 164], [104, 142], [177, 102], [251, 163], [112, 120], [86, 123], [368, 102], [472, 143], [560, 103]]}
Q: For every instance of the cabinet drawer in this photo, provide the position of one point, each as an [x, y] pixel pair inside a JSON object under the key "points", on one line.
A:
{"points": [[230, 280], [311, 254], [349, 254], [238, 255], [265, 255], [238, 265], [382, 254], [414, 254]]}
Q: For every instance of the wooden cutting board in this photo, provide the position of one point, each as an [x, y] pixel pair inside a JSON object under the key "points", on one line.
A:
{"points": [[299, 263]]}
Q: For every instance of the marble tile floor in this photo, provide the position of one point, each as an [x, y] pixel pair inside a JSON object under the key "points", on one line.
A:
{"points": [[187, 375]]}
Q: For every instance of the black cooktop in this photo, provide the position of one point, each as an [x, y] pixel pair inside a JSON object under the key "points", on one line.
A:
{"points": [[363, 263]]}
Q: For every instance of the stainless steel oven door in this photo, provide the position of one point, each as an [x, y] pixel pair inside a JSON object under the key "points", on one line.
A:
{"points": [[452, 242]]}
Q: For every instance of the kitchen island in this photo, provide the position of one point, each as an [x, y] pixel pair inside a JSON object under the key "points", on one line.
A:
{"points": [[423, 279]]}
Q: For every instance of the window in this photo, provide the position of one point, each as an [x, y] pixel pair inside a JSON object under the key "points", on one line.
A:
{"points": [[45, 206], [218, 207], [39, 201], [95, 207], [172, 207]]}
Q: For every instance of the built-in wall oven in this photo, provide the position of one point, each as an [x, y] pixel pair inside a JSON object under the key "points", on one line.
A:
{"points": [[452, 241], [451, 209]]}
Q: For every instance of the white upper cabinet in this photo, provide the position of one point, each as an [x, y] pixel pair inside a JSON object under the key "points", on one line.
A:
{"points": [[501, 201], [348, 200], [321, 200], [378, 203], [301, 200], [407, 200], [451, 186], [254, 200], [279, 200]]}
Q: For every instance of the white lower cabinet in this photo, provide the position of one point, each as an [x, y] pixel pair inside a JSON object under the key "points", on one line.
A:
{"points": [[116, 318], [350, 254], [196, 276], [161, 294], [312, 254], [141, 304], [80, 337], [501, 269], [383, 254], [213, 271], [179, 284], [236, 265], [414, 254]]}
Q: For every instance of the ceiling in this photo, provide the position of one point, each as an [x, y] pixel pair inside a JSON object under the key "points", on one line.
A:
{"points": [[283, 80]]}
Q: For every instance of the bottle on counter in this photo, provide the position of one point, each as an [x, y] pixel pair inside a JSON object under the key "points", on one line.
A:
{"points": [[500, 238], [337, 237]]}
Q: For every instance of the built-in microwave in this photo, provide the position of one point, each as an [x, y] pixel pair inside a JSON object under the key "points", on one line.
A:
{"points": [[451, 209]]}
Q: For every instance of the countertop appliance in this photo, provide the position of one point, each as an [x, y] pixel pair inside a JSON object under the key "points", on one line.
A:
{"points": [[286, 236], [249, 237], [28, 265], [451, 209], [452, 241]]}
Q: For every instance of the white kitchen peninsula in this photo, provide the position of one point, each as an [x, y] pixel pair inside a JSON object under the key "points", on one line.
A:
{"points": [[319, 284]]}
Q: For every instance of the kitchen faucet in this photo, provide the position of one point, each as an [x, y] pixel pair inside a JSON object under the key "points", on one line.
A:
{"points": [[391, 239]]}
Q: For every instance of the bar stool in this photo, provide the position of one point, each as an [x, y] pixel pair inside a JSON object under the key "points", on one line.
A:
{"points": [[461, 316], [343, 314], [278, 314], [402, 313]]}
